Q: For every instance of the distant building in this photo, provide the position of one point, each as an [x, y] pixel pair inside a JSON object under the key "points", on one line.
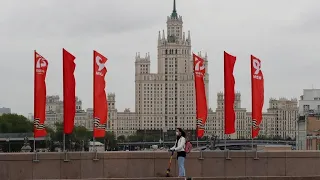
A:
{"points": [[286, 112], [308, 137], [279, 121], [165, 100], [242, 124], [310, 101], [5, 110], [54, 112], [309, 132]]}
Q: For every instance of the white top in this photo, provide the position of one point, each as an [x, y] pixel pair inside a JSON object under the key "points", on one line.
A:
{"points": [[181, 145]]}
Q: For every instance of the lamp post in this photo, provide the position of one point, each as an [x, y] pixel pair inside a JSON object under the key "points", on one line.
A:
{"points": [[26, 146], [70, 145], [8, 141], [164, 130], [82, 145]]}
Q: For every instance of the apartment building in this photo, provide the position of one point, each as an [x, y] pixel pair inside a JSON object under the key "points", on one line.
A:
{"points": [[286, 112], [309, 117], [54, 112], [4, 110], [166, 99]]}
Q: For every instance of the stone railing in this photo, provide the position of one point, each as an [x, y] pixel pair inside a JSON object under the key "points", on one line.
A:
{"points": [[18, 166]]}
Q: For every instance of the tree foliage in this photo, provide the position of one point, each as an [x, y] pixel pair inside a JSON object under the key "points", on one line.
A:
{"points": [[121, 138], [78, 140], [14, 123]]}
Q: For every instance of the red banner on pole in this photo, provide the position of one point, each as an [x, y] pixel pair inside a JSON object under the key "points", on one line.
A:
{"points": [[100, 107], [229, 94], [69, 92], [257, 87], [40, 72], [200, 89]]}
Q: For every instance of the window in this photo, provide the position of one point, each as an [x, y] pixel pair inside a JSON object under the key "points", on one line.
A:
{"points": [[306, 107]]}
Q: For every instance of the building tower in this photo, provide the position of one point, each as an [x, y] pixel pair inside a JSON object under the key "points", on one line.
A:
{"points": [[241, 122], [167, 98]]}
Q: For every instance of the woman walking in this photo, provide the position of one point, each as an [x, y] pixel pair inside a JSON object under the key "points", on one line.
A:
{"points": [[180, 148]]}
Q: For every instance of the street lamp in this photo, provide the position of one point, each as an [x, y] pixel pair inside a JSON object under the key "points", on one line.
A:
{"points": [[8, 141], [164, 130], [82, 145]]}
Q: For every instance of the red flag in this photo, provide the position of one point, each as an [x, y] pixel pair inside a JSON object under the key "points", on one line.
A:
{"points": [[229, 94], [201, 99], [69, 94], [257, 87], [100, 108], [40, 71]]}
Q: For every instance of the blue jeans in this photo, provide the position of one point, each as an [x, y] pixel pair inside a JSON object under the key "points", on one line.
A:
{"points": [[182, 171]]}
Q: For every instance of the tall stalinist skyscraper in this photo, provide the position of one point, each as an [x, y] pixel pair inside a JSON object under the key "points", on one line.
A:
{"points": [[167, 98]]}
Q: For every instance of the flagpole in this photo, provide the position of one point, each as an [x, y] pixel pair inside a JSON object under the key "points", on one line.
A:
{"points": [[64, 142], [197, 142], [251, 134], [34, 149], [225, 142], [34, 100], [34, 144], [34, 107], [94, 144], [64, 148], [94, 108]]}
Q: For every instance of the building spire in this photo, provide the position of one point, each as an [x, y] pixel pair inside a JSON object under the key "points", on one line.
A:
{"points": [[174, 11]]}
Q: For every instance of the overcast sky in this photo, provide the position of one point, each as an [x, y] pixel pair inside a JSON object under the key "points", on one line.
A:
{"points": [[284, 34]]}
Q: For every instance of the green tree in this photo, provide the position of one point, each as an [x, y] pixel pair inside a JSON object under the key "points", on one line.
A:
{"points": [[50, 131], [262, 137], [14, 123], [288, 138], [135, 138], [121, 138], [57, 135], [81, 136], [110, 141], [81, 133], [277, 137], [75, 141]]}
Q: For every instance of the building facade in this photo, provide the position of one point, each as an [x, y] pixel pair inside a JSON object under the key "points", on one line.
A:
{"points": [[165, 100], [5, 110], [286, 112], [121, 123], [54, 112], [310, 101], [273, 125], [308, 125]]}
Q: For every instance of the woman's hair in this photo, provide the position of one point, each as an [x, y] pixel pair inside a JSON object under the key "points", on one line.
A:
{"points": [[183, 134]]}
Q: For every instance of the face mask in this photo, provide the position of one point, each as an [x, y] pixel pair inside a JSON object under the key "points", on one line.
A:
{"points": [[177, 133]]}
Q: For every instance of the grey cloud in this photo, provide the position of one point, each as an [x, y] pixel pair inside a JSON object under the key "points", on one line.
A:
{"points": [[276, 32], [78, 18], [305, 21], [309, 22]]}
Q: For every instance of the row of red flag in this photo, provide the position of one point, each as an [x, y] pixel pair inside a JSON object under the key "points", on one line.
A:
{"points": [[257, 91], [100, 108]]}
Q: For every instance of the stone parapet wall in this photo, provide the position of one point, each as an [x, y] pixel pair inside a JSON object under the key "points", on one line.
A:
{"points": [[81, 165], [211, 178]]}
